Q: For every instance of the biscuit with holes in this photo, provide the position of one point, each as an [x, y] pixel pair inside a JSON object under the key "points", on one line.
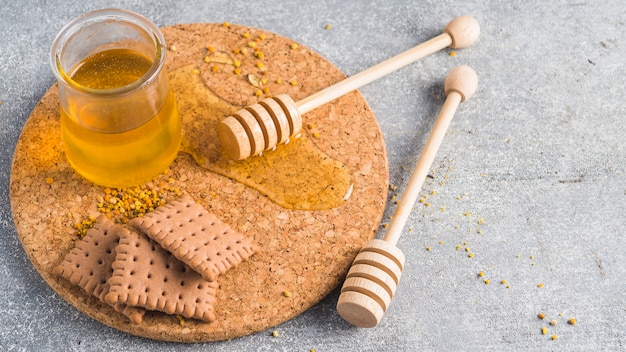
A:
{"points": [[88, 264], [146, 275], [196, 237]]}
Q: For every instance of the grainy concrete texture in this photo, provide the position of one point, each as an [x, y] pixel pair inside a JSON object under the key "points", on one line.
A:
{"points": [[530, 179]]}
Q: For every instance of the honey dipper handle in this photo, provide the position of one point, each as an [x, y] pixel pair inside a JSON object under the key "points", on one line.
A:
{"points": [[461, 32], [460, 85], [373, 73]]}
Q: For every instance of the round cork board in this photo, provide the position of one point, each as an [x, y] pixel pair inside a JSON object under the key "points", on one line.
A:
{"points": [[305, 252]]}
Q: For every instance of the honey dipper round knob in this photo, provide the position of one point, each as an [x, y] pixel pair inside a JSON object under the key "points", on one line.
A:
{"points": [[262, 126], [375, 273]]}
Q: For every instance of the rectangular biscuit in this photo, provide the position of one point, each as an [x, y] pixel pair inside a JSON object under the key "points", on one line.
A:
{"points": [[146, 275], [88, 264], [196, 237]]}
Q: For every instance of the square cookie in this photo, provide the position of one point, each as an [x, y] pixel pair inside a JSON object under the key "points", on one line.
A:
{"points": [[146, 275], [196, 237], [88, 264]]}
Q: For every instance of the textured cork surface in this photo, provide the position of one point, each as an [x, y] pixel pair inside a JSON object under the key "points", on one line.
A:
{"points": [[305, 252]]}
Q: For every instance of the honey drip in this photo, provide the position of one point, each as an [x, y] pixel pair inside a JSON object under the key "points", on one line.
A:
{"points": [[296, 175]]}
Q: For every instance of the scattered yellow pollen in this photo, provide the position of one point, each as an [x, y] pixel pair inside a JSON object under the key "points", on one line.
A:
{"points": [[532, 257], [236, 51], [503, 282], [262, 36], [259, 55], [210, 48], [452, 53], [279, 81], [49, 180], [442, 242], [246, 35], [316, 134], [544, 330], [540, 285], [572, 321], [275, 333], [196, 71], [294, 46], [258, 93], [479, 231], [385, 225], [207, 59], [541, 316], [471, 255], [215, 68], [311, 126], [467, 213], [181, 320], [266, 90], [236, 63], [286, 293], [259, 64], [481, 221], [481, 274], [327, 27], [252, 44], [426, 204], [429, 249], [432, 193], [293, 82], [172, 48], [554, 337], [225, 24], [487, 281], [553, 322], [457, 247], [237, 71]]}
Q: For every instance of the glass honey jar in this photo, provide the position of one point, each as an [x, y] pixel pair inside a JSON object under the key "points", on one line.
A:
{"points": [[119, 121]]}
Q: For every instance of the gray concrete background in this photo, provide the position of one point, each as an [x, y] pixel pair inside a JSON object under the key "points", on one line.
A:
{"points": [[531, 176]]}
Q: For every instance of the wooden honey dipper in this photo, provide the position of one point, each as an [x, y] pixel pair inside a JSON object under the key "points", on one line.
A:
{"points": [[372, 280], [263, 125]]}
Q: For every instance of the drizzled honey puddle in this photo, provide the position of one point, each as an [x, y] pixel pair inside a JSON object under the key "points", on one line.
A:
{"points": [[297, 175]]}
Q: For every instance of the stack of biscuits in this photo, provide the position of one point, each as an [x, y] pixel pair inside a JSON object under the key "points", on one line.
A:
{"points": [[168, 261]]}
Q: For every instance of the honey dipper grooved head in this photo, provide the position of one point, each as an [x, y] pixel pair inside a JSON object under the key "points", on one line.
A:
{"points": [[259, 127], [463, 80], [463, 30]]}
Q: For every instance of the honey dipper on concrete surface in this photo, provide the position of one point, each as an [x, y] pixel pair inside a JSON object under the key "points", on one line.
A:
{"points": [[263, 125], [372, 280]]}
